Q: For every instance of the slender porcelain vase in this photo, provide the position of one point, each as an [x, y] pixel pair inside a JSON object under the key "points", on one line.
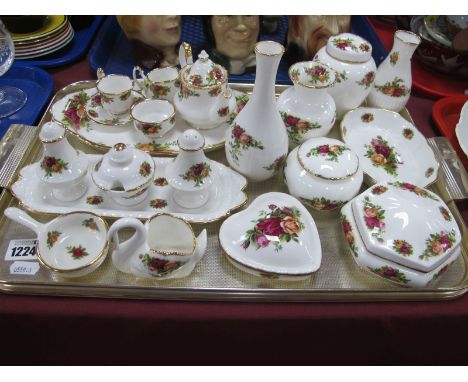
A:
{"points": [[257, 142], [392, 85]]}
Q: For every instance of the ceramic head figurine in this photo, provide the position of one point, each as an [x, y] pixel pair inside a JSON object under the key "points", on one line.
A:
{"points": [[307, 34], [154, 38], [232, 40]]}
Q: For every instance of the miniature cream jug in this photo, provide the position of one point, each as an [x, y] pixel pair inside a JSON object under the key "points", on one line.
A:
{"points": [[164, 247], [204, 99]]}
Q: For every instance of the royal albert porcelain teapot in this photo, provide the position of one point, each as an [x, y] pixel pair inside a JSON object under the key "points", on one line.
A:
{"points": [[164, 247], [204, 99]]}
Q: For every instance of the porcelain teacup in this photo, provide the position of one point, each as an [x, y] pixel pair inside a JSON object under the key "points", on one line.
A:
{"points": [[153, 117], [160, 83], [116, 92]]}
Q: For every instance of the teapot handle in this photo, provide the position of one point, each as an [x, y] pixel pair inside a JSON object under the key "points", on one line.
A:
{"points": [[124, 251], [138, 70]]}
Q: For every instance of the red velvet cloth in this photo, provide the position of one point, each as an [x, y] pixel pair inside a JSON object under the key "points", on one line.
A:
{"points": [[58, 330]]}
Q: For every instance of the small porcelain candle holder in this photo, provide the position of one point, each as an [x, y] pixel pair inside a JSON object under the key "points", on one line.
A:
{"points": [[190, 175], [125, 174], [160, 83], [116, 92], [61, 166], [153, 118], [71, 245]]}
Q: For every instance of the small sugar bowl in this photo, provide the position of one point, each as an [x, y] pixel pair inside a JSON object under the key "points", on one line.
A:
{"points": [[190, 174], [125, 174], [323, 173], [61, 166]]}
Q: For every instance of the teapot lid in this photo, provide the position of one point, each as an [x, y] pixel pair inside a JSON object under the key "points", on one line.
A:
{"points": [[204, 73], [327, 158], [123, 168], [349, 47], [312, 74]]}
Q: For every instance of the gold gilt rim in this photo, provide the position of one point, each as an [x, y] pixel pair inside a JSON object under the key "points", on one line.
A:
{"points": [[372, 180], [263, 272], [102, 253], [101, 122], [175, 253], [115, 94], [408, 32], [257, 50], [299, 159], [189, 85], [194, 221], [152, 101], [300, 83]]}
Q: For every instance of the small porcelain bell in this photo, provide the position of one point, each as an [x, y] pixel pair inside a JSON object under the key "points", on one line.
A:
{"points": [[190, 174], [61, 166]]}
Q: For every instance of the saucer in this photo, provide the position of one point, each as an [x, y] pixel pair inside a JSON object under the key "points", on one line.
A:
{"points": [[97, 113]]}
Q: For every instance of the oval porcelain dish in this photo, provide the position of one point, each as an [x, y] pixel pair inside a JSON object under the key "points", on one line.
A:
{"points": [[275, 237], [323, 173], [389, 147], [388, 270]]}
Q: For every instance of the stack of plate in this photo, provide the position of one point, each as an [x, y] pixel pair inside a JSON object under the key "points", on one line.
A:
{"points": [[56, 33]]}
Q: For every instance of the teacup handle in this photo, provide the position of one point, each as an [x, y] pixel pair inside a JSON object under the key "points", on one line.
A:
{"points": [[23, 218], [123, 251], [138, 70], [100, 73]]}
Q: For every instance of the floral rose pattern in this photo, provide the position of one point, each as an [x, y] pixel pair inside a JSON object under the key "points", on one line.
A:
{"points": [[382, 155], [91, 224], [367, 80], [148, 128], [364, 47], [145, 169], [438, 243], [343, 43], [52, 237], [391, 274], [158, 203], [296, 127], [96, 100], [94, 200], [161, 182], [106, 99], [224, 111], [277, 164], [323, 204], [295, 73], [414, 189], [349, 235], [241, 101], [394, 58], [445, 214], [216, 91], [197, 173], [215, 75], [374, 217], [341, 76], [77, 252], [125, 96], [318, 74], [185, 92], [408, 133], [379, 190], [403, 247], [241, 141], [159, 90], [331, 152], [153, 147], [52, 165], [276, 226], [195, 80], [367, 117], [74, 114], [396, 88], [159, 267]]}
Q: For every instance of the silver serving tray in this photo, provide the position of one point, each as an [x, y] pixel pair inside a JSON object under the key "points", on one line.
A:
{"points": [[214, 278]]}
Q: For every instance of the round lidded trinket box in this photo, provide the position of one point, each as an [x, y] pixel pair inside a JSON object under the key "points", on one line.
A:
{"points": [[323, 173]]}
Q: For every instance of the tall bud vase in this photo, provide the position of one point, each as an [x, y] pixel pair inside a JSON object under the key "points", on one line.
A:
{"points": [[257, 142], [392, 85]]}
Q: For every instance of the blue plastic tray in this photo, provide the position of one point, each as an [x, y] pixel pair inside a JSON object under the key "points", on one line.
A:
{"points": [[71, 52], [112, 50], [37, 84]]}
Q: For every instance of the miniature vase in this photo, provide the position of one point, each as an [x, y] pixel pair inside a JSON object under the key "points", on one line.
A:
{"points": [[392, 85], [257, 142], [190, 174], [61, 166], [307, 109], [351, 57]]}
